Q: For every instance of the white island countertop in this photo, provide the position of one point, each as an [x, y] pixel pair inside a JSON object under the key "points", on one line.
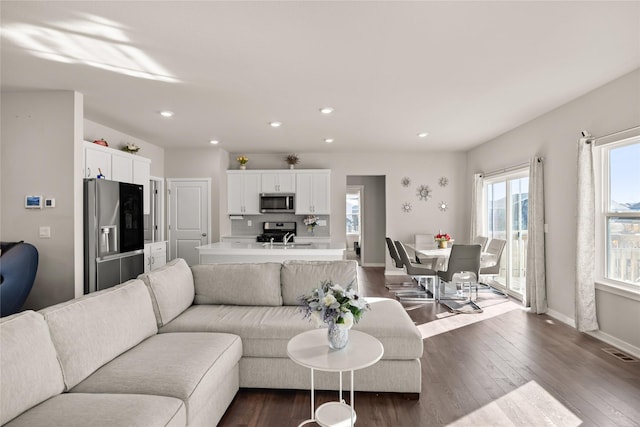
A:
{"points": [[234, 252]]}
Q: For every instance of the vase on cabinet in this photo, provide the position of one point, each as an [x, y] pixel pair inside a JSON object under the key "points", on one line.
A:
{"points": [[243, 167]]}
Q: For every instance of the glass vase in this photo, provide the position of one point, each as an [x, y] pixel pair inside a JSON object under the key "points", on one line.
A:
{"points": [[338, 337]]}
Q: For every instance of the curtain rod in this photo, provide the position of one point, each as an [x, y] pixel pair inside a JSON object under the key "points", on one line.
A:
{"points": [[598, 140], [508, 169]]}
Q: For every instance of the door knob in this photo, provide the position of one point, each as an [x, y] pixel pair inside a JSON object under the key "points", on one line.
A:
{"points": [[204, 234]]}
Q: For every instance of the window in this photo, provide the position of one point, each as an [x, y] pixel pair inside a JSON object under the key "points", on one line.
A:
{"points": [[353, 213], [619, 224], [506, 201]]}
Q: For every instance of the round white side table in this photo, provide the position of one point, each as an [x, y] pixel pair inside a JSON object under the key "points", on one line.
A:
{"points": [[311, 350]]}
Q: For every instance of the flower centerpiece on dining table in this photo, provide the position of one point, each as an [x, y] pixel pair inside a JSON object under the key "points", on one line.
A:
{"points": [[442, 239], [337, 307], [311, 221]]}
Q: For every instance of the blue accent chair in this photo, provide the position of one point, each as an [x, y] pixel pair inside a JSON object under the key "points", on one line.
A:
{"points": [[18, 267]]}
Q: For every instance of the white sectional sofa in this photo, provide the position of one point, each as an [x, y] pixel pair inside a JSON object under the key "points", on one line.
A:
{"points": [[172, 347]]}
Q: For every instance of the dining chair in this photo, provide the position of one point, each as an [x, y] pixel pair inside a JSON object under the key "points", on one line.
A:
{"points": [[482, 241], [495, 250], [418, 272], [424, 241], [463, 267], [393, 252]]}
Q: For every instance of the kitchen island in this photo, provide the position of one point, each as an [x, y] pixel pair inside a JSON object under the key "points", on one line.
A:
{"points": [[234, 252]]}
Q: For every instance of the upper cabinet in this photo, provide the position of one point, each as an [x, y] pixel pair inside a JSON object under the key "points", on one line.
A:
{"points": [[243, 193], [278, 182], [313, 193], [118, 166]]}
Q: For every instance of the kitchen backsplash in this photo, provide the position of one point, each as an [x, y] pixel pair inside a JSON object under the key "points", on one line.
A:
{"points": [[240, 227]]}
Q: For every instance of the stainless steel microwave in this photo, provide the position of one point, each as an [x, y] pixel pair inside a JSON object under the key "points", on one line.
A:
{"points": [[277, 202]]}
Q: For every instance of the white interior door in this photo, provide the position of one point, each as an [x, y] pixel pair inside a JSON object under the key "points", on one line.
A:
{"points": [[189, 221]]}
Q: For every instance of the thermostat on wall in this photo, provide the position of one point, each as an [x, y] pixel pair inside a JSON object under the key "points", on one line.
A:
{"points": [[33, 202], [49, 203]]}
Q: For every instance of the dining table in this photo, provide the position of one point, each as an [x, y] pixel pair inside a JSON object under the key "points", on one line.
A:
{"points": [[440, 257]]}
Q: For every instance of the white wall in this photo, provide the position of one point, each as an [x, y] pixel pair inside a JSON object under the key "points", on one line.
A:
{"points": [[116, 139], [41, 148], [613, 107]]}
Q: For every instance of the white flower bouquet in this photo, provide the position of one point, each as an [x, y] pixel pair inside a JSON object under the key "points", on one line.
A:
{"points": [[333, 305]]}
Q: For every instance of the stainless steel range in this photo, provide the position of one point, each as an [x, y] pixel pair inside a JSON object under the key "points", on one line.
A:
{"points": [[277, 231]]}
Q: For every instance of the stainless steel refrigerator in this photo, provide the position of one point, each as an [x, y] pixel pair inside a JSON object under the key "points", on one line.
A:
{"points": [[113, 233]]}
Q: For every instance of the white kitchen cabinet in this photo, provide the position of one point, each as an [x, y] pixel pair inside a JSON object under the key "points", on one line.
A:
{"points": [[313, 193], [279, 182], [118, 166], [96, 160], [155, 255], [121, 168], [243, 193]]}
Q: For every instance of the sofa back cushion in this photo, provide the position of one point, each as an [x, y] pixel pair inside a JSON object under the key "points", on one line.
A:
{"points": [[301, 277], [171, 288], [238, 284], [29, 369], [92, 330]]}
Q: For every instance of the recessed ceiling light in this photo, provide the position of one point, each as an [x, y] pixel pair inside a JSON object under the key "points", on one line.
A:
{"points": [[328, 140], [326, 110], [275, 124], [423, 135], [166, 113], [214, 142]]}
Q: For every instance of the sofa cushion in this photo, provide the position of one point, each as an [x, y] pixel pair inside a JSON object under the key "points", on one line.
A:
{"points": [[265, 331], [301, 277], [29, 370], [185, 366], [104, 410], [91, 330], [171, 289], [238, 284]]}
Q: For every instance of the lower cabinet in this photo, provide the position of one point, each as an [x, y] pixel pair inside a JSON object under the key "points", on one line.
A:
{"points": [[155, 255]]}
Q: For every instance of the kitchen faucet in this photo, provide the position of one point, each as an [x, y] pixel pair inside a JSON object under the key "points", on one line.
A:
{"points": [[287, 237]]}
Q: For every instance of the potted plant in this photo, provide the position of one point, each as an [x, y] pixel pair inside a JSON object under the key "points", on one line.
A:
{"points": [[292, 160], [243, 160]]}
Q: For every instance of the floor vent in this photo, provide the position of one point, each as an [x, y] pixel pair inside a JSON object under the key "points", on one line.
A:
{"points": [[620, 355]]}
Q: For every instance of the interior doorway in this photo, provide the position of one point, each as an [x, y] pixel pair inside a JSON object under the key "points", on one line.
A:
{"points": [[189, 219], [354, 221], [371, 218]]}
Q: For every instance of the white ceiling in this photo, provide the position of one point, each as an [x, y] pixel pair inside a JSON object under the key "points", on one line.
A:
{"points": [[464, 72]]}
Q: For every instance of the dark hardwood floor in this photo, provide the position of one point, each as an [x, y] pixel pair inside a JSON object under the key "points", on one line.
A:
{"points": [[511, 368]]}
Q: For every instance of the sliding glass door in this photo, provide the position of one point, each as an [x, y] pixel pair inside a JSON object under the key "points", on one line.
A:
{"points": [[506, 203]]}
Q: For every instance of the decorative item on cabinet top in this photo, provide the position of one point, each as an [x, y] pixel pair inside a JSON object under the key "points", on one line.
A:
{"points": [[102, 142], [243, 160], [130, 148], [292, 160]]}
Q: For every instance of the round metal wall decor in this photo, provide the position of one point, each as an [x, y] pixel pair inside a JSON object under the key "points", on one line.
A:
{"points": [[405, 181], [443, 206], [443, 181], [406, 207], [423, 192]]}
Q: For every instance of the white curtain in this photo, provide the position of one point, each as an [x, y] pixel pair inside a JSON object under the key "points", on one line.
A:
{"points": [[586, 319], [536, 295], [476, 206]]}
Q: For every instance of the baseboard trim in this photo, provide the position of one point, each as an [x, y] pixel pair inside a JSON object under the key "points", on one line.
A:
{"points": [[599, 335], [561, 317], [616, 342]]}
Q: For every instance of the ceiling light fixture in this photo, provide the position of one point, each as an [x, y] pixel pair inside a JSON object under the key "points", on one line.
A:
{"points": [[423, 135], [166, 113], [326, 110], [328, 140], [275, 124], [214, 142]]}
